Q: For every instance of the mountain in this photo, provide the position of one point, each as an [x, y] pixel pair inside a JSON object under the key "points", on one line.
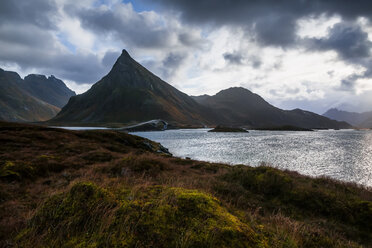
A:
{"points": [[16, 104], [367, 123], [238, 106], [50, 90], [131, 93], [357, 119]]}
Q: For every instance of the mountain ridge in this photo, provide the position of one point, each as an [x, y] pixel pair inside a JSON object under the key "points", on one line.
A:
{"points": [[363, 119], [236, 103], [130, 93], [31, 99]]}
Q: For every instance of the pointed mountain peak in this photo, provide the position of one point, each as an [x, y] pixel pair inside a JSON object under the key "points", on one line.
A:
{"points": [[125, 53], [124, 57], [123, 61]]}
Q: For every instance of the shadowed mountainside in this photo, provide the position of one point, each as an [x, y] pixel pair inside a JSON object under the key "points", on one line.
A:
{"points": [[119, 190], [34, 98], [51, 90], [240, 107], [357, 119], [16, 104], [131, 93]]}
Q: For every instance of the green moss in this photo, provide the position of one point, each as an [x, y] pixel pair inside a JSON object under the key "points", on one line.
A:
{"points": [[79, 213], [15, 171], [88, 216], [263, 180]]}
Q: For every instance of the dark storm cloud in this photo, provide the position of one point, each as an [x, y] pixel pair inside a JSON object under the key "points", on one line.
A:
{"points": [[42, 13], [274, 22], [276, 30], [351, 44], [26, 39], [133, 29], [349, 41], [32, 47]]}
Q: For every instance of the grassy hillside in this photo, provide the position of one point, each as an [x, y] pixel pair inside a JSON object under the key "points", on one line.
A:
{"points": [[63, 188]]}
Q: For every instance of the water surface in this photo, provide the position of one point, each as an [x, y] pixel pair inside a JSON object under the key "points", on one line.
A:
{"points": [[342, 154]]}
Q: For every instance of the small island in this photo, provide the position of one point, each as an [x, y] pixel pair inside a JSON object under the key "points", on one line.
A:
{"points": [[284, 128], [223, 129]]}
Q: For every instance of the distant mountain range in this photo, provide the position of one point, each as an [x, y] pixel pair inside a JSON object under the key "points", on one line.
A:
{"points": [[240, 107], [363, 120], [130, 93], [34, 98]]}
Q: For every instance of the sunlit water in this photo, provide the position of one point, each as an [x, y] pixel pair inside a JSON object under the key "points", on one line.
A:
{"points": [[344, 154]]}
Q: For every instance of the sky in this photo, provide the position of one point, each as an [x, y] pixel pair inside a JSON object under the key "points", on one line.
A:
{"points": [[309, 54]]}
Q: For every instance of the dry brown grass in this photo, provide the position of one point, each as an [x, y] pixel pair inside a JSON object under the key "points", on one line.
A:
{"points": [[51, 161]]}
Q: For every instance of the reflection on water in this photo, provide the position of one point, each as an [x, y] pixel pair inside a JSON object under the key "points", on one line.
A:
{"points": [[344, 154]]}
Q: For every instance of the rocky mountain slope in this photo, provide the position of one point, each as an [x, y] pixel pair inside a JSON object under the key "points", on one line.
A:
{"points": [[131, 93]]}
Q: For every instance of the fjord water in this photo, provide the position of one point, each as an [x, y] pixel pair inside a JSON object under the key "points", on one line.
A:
{"points": [[343, 154]]}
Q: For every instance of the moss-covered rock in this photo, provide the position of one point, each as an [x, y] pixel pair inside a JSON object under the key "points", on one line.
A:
{"points": [[157, 217]]}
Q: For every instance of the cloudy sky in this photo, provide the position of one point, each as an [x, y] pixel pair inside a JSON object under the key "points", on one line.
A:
{"points": [[311, 54]]}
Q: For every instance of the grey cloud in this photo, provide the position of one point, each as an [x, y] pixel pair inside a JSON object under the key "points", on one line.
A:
{"points": [[110, 57], [173, 60], [351, 44], [274, 22], [240, 11], [347, 85], [348, 40], [34, 48], [172, 63], [168, 67], [292, 91], [276, 30], [26, 39], [237, 58], [132, 29], [331, 73], [234, 58], [189, 40], [42, 13]]}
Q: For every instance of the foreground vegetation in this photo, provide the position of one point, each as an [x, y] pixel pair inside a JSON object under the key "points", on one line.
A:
{"points": [[62, 188]]}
